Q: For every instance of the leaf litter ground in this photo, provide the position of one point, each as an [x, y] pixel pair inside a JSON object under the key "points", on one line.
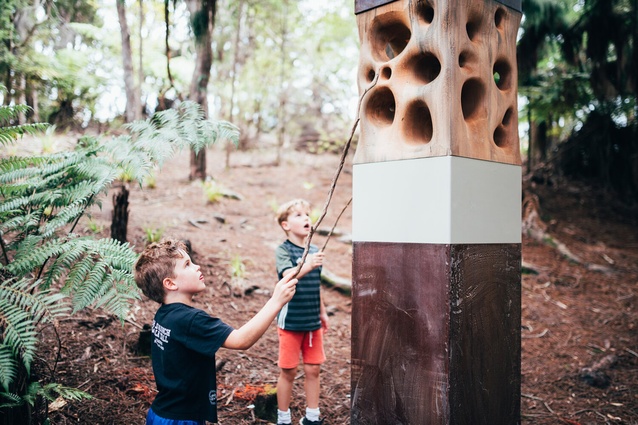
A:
{"points": [[572, 317]]}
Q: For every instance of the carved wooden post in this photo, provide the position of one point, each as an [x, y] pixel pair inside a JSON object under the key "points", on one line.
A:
{"points": [[436, 215]]}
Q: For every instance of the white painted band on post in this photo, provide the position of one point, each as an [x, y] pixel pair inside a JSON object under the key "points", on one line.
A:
{"points": [[438, 200]]}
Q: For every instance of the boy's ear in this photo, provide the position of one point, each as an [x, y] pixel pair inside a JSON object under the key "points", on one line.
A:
{"points": [[169, 284], [285, 226]]}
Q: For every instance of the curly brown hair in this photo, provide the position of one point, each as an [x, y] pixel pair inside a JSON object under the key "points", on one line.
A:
{"points": [[156, 263]]}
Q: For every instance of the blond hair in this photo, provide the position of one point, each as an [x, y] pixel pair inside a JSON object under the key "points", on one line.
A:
{"points": [[286, 209], [156, 263]]}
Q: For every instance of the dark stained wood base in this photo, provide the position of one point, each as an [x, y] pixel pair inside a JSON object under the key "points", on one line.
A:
{"points": [[436, 334]]}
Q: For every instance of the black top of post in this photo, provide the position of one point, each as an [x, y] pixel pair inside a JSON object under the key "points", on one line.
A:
{"points": [[365, 5]]}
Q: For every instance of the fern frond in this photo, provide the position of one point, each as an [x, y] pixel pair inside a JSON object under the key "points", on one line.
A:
{"points": [[9, 112], [22, 307], [118, 299], [118, 255], [227, 131], [14, 168], [78, 273], [10, 400], [53, 390], [74, 249], [65, 216], [8, 366], [36, 199], [100, 268], [19, 332], [41, 305], [26, 260], [92, 289], [9, 135], [11, 222]]}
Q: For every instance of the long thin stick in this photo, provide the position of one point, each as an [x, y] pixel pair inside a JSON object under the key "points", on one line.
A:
{"points": [[336, 177], [335, 225]]}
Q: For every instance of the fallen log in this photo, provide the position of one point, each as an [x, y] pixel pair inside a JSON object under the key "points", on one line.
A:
{"points": [[534, 227], [341, 284]]}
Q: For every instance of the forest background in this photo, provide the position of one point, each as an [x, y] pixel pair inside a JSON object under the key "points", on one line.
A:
{"points": [[282, 74]]}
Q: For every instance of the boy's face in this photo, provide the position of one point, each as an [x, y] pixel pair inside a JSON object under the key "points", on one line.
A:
{"points": [[188, 277], [298, 222]]}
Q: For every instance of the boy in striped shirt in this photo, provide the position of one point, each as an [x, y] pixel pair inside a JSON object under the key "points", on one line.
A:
{"points": [[303, 320]]}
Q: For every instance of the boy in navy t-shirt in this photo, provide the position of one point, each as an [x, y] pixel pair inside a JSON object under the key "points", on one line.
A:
{"points": [[185, 339]]}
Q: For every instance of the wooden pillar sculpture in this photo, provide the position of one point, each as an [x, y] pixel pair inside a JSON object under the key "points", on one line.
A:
{"points": [[436, 215]]}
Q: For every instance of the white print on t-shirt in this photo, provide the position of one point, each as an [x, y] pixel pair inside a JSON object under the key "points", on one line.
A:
{"points": [[161, 334], [212, 397]]}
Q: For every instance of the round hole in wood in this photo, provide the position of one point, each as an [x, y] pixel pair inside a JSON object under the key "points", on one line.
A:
{"points": [[463, 58], [500, 136], [425, 12], [381, 107], [386, 73], [426, 67], [507, 118], [502, 132], [370, 75], [502, 72], [473, 26], [472, 99], [389, 37], [499, 18], [417, 126]]}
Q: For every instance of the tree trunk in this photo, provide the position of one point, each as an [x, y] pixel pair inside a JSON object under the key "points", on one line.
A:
{"points": [[282, 95], [202, 21], [133, 110], [530, 134], [32, 101], [140, 71], [22, 98], [240, 13], [119, 222]]}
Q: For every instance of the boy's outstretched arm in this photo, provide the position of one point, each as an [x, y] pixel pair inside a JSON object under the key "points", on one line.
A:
{"points": [[244, 337]]}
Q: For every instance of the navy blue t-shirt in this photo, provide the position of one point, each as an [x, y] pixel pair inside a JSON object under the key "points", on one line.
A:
{"points": [[185, 340]]}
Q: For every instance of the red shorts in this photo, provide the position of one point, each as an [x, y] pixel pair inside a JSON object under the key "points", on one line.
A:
{"points": [[308, 343]]}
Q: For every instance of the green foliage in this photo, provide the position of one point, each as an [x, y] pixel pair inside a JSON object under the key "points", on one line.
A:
{"points": [[237, 267], [49, 391], [10, 133], [94, 227], [577, 61], [153, 234], [47, 270], [150, 181], [213, 192], [314, 215]]}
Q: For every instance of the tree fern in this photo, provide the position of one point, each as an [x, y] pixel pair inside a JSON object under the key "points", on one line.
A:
{"points": [[46, 270]]}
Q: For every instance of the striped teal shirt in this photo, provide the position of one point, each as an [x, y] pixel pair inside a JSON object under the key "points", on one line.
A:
{"points": [[302, 311]]}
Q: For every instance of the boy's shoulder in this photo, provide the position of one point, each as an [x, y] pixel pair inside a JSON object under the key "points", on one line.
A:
{"points": [[178, 310], [288, 245]]}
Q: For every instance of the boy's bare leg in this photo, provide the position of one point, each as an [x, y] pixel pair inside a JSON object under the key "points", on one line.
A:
{"points": [[312, 384], [284, 388]]}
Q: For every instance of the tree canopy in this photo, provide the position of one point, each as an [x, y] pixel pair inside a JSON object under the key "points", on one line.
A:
{"points": [[578, 64]]}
